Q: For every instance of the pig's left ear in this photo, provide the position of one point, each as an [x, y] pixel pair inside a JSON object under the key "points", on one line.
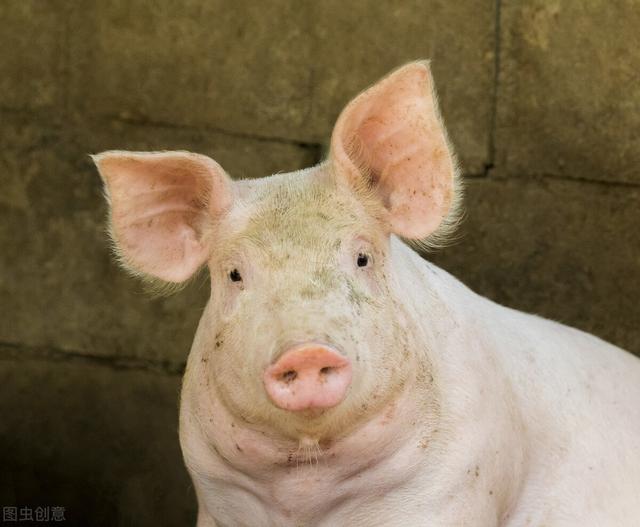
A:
{"points": [[391, 139], [161, 205]]}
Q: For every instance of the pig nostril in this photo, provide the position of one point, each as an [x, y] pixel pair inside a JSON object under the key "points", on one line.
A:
{"points": [[325, 370], [289, 376]]}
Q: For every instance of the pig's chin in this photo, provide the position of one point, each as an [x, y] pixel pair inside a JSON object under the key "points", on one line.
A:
{"points": [[318, 424]]}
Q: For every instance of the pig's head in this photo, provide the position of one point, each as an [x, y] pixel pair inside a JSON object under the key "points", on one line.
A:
{"points": [[305, 331]]}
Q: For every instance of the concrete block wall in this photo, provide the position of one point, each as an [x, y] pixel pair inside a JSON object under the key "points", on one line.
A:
{"points": [[542, 101]]}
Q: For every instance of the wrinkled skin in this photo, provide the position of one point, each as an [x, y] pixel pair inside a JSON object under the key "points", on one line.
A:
{"points": [[459, 411]]}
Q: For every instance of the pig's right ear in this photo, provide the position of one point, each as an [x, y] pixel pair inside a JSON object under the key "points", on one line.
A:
{"points": [[161, 204]]}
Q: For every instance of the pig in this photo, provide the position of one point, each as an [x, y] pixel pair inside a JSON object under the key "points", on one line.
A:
{"points": [[336, 377]]}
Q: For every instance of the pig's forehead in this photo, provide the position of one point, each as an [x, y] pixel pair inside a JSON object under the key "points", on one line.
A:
{"points": [[251, 190], [296, 205]]}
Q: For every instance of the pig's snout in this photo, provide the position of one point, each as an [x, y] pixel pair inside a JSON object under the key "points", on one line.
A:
{"points": [[308, 376]]}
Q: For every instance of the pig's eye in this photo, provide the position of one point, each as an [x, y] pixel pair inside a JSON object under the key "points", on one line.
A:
{"points": [[363, 260], [235, 276]]}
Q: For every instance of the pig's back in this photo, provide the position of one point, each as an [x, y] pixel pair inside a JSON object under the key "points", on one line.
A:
{"points": [[573, 372], [575, 378], [579, 398]]}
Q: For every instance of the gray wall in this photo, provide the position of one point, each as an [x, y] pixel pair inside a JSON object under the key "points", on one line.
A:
{"points": [[542, 99]]}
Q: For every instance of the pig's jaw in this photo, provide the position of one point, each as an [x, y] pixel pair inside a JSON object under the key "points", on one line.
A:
{"points": [[299, 478]]}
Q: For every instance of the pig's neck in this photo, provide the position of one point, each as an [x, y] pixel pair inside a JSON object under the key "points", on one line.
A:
{"points": [[461, 464]]}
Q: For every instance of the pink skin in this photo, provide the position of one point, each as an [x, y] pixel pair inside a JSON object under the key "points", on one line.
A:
{"points": [[308, 376], [389, 171], [159, 201], [453, 416], [393, 132]]}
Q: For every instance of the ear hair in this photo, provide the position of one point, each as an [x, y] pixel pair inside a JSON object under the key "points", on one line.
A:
{"points": [[391, 139], [161, 205]]}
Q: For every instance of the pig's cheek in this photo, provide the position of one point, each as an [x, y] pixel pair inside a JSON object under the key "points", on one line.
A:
{"points": [[231, 300], [371, 281], [375, 281]]}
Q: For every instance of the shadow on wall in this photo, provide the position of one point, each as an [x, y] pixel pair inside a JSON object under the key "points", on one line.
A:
{"points": [[541, 99]]}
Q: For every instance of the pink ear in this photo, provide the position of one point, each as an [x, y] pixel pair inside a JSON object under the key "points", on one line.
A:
{"points": [[160, 203], [391, 136]]}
